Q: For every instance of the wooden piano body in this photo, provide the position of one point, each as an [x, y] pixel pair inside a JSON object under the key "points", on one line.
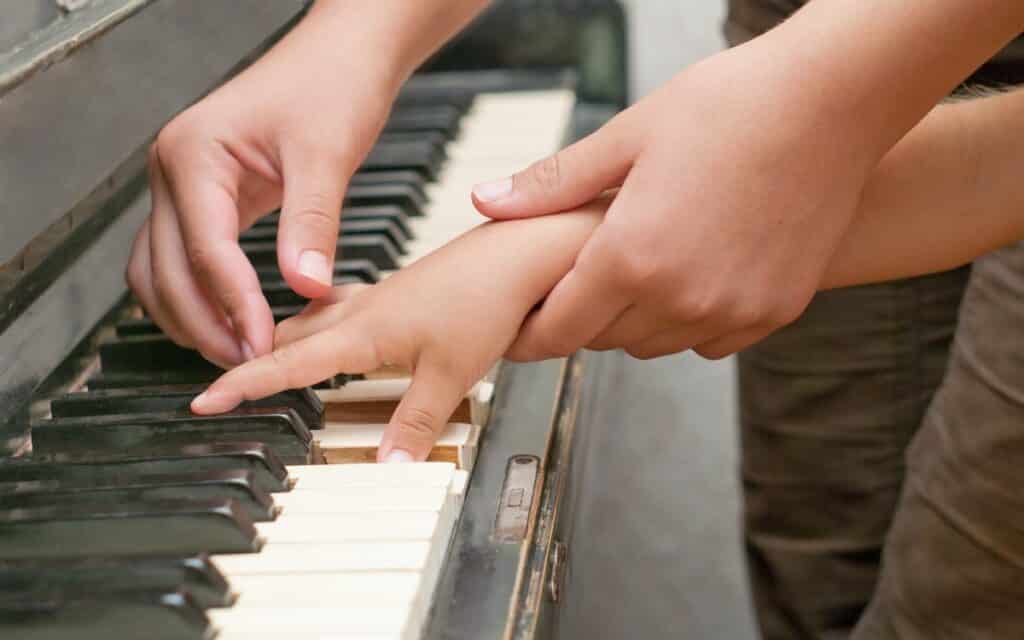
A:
{"points": [[84, 89]]}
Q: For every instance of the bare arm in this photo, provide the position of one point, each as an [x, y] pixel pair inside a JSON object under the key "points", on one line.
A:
{"points": [[288, 132], [949, 192]]}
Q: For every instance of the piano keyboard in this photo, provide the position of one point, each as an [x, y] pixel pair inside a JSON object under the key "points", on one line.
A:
{"points": [[134, 518]]}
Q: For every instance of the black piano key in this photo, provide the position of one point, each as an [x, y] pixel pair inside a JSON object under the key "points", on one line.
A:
{"points": [[442, 118], [280, 429], [175, 398], [349, 227], [127, 529], [147, 327], [348, 270], [368, 212], [436, 138], [424, 159], [50, 614], [279, 292], [377, 248], [158, 354], [209, 485], [408, 199], [412, 179], [111, 575], [256, 458], [432, 93], [381, 212]]}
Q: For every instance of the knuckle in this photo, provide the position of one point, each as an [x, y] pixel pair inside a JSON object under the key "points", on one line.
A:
{"points": [[283, 361], [418, 423], [640, 353], [694, 307], [558, 346], [633, 270], [546, 174], [317, 214], [172, 137], [712, 352]]}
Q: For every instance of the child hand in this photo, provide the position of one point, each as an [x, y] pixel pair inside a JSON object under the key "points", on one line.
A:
{"points": [[447, 318]]}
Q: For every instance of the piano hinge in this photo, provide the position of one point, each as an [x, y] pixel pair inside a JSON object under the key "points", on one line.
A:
{"points": [[557, 571]]}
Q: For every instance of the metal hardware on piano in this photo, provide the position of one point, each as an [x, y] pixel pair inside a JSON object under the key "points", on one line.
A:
{"points": [[121, 513]]}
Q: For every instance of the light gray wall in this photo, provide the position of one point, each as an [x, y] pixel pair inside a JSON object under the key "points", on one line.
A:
{"points": [[666, 35]]}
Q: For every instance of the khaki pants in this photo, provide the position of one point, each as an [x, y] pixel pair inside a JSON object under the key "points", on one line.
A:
{"points": [[883, 460]]}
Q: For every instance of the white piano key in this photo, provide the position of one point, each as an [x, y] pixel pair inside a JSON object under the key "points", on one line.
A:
{"points": [[326, 589], [327, 557], [288, 622], [420, 474], [297, 527], [340, 435], [352, 500]]}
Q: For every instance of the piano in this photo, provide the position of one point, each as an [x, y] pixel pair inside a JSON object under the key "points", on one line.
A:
{"points": [[121, 514]]}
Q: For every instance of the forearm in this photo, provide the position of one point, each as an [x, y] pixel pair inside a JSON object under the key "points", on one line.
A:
{"points": [[876, 67], [949, 192], [385, 39]]}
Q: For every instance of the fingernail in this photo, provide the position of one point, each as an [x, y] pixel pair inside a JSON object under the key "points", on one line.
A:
{"points": [[314, 265], [200, 400], [491, 191], [398, 456], [247, 350]]}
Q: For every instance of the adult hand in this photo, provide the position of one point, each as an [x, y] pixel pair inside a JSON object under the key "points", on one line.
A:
{"points": [[288, 132], [733, 197], [741, 175]]}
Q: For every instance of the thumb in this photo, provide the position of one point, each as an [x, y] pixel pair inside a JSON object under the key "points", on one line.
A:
{"points": [[307, 235], [421, 416], [572, 177]]}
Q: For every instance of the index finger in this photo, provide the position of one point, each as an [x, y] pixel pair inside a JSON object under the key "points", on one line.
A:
{"points": [[209, 219], [298, 364]]}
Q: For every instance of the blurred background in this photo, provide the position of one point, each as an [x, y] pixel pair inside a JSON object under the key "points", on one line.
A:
{"points": [[657, 552]]}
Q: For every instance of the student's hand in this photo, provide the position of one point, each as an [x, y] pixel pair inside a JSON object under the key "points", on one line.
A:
{"points": [[733, 199], [448, 318]]}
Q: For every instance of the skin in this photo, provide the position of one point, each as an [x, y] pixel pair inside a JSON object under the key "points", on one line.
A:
{"points": [[288, 132], [740, 177], [414, 318], [947, 193]]}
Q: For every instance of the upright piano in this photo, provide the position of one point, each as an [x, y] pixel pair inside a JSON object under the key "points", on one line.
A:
{"points": [[121, 514]]}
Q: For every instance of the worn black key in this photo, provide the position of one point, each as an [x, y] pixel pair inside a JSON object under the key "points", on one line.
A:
{"points": [[377, 248], [146, 327], [111, 575], [410, 200], [351, 270], [280, 429], [175, 398], [436, 138], [50, 614], [256, 458], [390, 213], [424, 159], [442, 118], [128, 529], [139, 354], [433, 93], [279, 292], [412, 179], [207, 485], [349, 227]]}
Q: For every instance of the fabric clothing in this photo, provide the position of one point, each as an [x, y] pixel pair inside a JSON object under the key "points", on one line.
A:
{"points": [[748, 18], [883, 459]]}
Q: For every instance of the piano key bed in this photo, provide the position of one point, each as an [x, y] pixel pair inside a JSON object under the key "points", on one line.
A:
{"points": [[131, 517]]}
